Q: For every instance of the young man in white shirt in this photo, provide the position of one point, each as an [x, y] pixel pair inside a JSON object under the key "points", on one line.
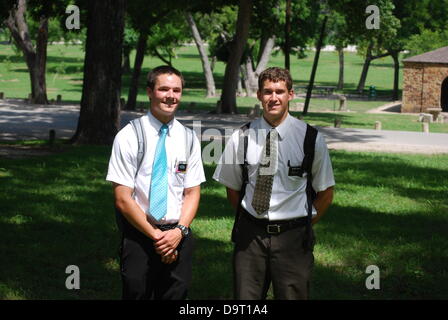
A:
{"points": [[271, 228], [158, 203]]}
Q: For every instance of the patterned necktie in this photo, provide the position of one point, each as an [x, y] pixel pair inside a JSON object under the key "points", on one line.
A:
{"points": [[265, 178], [159, 179]]}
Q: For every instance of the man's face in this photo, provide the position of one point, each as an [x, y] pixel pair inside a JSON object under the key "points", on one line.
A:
{"points": [[274, 97], [165, 97]]}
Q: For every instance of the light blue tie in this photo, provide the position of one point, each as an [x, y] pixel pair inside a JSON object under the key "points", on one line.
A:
{"points": [[159, 179]]}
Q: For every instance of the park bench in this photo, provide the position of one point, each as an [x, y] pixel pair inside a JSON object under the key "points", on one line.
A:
{"points": [[327, 90]]}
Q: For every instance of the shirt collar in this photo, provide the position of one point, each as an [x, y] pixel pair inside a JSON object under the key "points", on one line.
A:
{"points": [[281, 129], [155, 124]]}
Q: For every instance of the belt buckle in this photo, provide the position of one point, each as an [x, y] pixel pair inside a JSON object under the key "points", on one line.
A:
{"points": [[273, 229]]}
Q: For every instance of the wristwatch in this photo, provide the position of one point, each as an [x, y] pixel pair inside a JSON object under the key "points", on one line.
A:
{"points": [[183, 229]]}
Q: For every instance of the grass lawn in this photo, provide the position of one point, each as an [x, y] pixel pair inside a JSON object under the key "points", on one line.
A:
{"points": [[389, 210], [65, 67]]}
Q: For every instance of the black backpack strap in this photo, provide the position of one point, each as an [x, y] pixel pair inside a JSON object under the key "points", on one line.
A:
{"points": [[241, 157], [307, 164]]}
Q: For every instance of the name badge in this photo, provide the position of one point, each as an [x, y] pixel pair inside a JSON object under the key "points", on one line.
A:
{"points": [[295, 171], [181, 167]]}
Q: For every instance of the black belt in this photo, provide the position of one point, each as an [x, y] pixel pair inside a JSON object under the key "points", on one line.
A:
{"points": [[165, 227], [275, 227]]}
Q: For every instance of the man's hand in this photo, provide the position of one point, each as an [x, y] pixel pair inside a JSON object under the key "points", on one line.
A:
{"points": [[170, 258], [168, 242]]}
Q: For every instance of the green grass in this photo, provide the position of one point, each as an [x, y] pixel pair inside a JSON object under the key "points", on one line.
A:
{"points": [[64, 76], [389, 210]]}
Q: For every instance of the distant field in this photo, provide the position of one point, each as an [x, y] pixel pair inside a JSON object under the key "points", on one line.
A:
{"points": [[64, 72], [65, 76]]}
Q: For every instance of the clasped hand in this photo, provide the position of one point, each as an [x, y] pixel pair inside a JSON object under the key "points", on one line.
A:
{"points": [[167, 243]]}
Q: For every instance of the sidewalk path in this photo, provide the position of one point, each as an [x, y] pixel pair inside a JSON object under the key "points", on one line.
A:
{"points": [[18, 121]]}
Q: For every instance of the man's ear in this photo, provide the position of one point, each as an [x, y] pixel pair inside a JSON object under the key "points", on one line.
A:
{"points": [[291, 94], [259, 95], [149, 91]]}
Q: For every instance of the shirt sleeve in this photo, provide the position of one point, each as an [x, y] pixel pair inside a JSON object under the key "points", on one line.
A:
{"points": [[322, 170], [228, 171], [195, 171], [123, 159]]}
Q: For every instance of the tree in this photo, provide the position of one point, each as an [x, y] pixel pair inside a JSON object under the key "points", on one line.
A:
{"points": [[228, 95], [206, 67], [371, 42], [35, 55], [340, 38], [426, 41], [315, 63], [100, 103]]}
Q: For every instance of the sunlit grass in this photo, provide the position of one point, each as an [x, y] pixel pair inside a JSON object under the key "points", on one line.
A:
{"points": [[389, 210]]}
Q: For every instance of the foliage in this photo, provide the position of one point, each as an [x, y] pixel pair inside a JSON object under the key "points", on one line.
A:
{"points": [[426, 41]]}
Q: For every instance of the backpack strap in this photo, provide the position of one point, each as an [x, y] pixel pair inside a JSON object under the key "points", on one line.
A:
{"points": [[189, 141], [137, 125], [307, 165], [241, 156]]}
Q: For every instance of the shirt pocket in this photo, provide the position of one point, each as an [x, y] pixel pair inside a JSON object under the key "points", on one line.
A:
{"points": [[294, 181], [178, 177]]}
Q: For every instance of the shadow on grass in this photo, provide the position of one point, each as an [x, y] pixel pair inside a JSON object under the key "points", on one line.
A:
{"points": [[58, 212], [45, 231]]}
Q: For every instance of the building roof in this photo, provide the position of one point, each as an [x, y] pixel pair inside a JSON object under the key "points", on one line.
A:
{"points": [[437, 56]]}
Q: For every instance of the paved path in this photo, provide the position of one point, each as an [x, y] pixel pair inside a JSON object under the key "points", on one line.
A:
{"points": [[34, 122]]}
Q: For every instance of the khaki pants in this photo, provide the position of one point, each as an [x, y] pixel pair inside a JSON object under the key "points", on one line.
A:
{"points": [[261, 258]]}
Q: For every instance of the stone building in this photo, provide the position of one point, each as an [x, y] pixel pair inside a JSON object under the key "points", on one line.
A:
{"points": [[425, 81]]}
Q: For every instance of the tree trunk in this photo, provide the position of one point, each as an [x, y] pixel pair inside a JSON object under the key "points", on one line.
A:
{"points": [[228, 95], [313, 70], [250, 79], [365, 69], [287, 33], [126, 66], [394, 55], [99, 118], [251, 75], [340, 85], [36, 58], [265, 55], [210, 82], [139, 57]]}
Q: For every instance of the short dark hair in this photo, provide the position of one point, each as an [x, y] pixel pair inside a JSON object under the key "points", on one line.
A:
{"points": [[157, 71], [275, 74]]}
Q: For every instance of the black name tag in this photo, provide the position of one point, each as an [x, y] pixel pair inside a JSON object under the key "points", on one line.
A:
{"points": [[181, 167], [295, 171]]}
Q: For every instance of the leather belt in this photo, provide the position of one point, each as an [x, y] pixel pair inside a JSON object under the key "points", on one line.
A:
{"points": [[278, 226], [165, 227]]}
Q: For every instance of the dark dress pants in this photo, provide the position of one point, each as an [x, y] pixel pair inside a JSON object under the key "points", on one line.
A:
{"points": [[144, 276], [261, 258]]}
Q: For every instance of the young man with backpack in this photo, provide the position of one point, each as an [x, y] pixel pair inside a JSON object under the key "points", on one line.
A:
{"points": [[156, 170], [279, 178]]}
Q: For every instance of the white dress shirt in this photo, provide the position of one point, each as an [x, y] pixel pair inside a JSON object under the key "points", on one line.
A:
{"points": [[123, 162], [288, 199]]}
